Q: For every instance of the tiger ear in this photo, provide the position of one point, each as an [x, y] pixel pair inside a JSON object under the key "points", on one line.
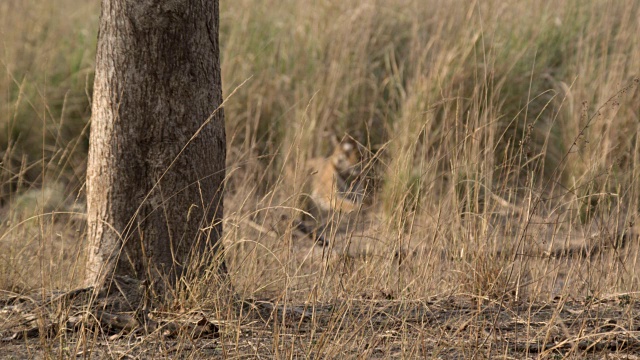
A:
{"points": [[335, 141]]}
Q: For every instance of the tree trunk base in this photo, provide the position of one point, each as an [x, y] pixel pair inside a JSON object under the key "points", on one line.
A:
{"points": [[112, 311]]}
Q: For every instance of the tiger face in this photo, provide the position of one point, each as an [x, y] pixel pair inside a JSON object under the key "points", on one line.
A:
{"points": [[347, 158]]}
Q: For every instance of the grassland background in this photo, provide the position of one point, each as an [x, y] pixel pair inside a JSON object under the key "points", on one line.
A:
{"points": [[502, 130]]}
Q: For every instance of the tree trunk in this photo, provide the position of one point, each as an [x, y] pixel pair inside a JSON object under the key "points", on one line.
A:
{"points": [[154, 190]]}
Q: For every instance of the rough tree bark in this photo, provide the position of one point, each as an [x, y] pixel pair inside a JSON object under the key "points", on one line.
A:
{"points": [[153, 189]]}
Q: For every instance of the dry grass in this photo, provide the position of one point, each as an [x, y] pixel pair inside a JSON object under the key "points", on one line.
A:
{"points": [[505, 195]]}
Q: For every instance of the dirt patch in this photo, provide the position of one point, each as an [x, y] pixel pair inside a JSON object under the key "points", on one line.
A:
{"points": [[457, 327]]}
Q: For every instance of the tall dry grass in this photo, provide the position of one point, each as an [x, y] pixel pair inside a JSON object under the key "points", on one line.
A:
{"points": [[46, 59], [507, 129], [504, 135]]}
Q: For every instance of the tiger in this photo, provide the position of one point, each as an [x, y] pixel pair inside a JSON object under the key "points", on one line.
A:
{"points": [[336, 187]]}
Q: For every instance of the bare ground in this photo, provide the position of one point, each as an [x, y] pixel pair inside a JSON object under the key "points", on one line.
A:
{"points": [[459, 327]]}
